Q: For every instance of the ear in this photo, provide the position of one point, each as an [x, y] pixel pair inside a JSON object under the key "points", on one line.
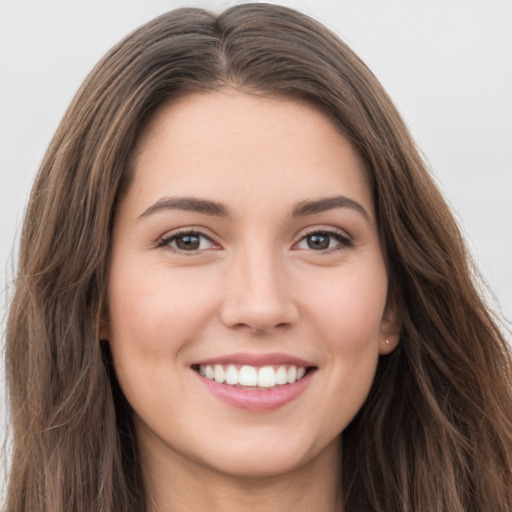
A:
{"points": [[391, 324]]}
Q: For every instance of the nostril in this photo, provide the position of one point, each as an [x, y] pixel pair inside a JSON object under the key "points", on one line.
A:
{"points": [[258, 310]]}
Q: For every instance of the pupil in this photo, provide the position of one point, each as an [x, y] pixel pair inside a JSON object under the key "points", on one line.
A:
{"points": [[318, 241], [188, 242]]}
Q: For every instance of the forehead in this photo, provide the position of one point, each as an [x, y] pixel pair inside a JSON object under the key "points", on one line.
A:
{"points": [[233, 145]]}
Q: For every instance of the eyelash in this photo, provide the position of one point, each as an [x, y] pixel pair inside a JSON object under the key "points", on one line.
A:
{"points": [[344, 241]]}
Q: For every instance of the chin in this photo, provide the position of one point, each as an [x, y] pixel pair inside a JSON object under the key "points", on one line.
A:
{"points": [[268, 457]]}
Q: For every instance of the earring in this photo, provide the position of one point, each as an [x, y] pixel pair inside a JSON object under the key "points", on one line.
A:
{"points": [[388, 342]]}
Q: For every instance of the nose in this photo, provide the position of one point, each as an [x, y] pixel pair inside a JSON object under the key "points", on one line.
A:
{"points": [[258, 294]]}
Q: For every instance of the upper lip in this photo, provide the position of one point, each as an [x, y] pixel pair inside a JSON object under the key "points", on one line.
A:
{"points": [[271, 359]]}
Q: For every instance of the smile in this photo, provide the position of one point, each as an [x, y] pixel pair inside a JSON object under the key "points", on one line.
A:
{"points": [[248, 376], [255, 382]]}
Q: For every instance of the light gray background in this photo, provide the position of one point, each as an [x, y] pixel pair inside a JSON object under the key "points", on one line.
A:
{"points": [[446, 63]]}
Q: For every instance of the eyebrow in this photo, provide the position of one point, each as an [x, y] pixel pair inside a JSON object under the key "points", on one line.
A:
{"points": [[305, 208], [189, 204], [215, 209]]}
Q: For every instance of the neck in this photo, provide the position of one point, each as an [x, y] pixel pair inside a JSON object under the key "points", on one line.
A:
{"points": [[178, 484]]}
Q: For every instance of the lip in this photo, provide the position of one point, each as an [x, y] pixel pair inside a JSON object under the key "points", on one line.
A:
{"points": [[256, 400], [270, 359]]}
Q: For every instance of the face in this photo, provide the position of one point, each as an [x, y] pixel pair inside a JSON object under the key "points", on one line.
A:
{"points": [[247, 287]]}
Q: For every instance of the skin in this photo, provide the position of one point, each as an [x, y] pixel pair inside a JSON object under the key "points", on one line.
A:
{"points": [[255, 285]]}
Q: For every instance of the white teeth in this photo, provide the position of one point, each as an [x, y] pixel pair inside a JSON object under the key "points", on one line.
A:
{"points": [[219, 374], [281, 376], [248, 376], [263, 377], [266, 377], [231, 375], [291, 374]]}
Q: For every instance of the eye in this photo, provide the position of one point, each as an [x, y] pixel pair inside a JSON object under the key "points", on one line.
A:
{"points": [[323, 241], [187, 241]]}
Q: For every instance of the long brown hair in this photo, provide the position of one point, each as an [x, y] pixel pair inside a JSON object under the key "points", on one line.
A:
{"points": [[436, 431]]}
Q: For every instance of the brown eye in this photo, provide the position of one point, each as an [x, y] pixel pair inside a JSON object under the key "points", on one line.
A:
{"points": [[323, 241], [318, 241], [190, 241]]}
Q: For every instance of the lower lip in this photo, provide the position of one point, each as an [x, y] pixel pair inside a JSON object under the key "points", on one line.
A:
{"points": [[257, 399]]}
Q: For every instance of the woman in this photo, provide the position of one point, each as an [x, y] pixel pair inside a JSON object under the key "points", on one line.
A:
{"points": [[240, 289]]}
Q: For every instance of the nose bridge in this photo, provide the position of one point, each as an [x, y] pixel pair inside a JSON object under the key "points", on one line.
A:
{"points": [[258, 294]]}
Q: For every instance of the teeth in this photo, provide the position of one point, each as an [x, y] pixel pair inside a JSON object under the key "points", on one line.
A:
{"points": [[231, 375], [248, 376], [281, 376], [266, 377], [291, 374], [263, 377], [218, 373]]}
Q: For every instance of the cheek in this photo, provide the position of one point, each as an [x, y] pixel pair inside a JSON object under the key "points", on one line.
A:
{"points": [[348, 320], [147, 329], [153, 312], [350, 306], [347, 314]]}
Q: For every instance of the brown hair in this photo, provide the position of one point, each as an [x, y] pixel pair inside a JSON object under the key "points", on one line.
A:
{"points": [[436, 431]]}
